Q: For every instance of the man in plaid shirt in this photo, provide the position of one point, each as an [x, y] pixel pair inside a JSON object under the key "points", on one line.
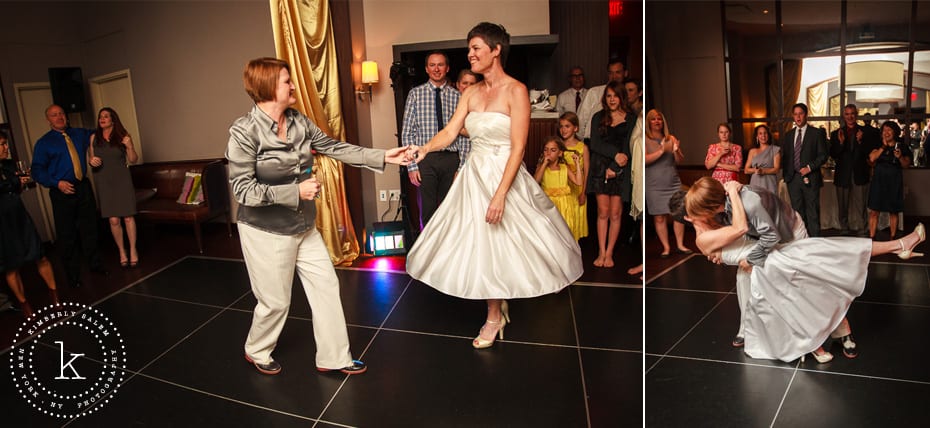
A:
{"points": [[429, 108]]}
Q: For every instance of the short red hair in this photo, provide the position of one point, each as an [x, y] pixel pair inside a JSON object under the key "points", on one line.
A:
{"points": [[261, 77]]}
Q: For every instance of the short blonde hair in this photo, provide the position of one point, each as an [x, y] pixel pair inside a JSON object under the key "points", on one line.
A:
{"points": [[261, 77]]}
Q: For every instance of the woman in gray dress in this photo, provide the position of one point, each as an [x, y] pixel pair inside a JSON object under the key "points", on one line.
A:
{"points": [[764, 161], [111, 152], [663, 153]]}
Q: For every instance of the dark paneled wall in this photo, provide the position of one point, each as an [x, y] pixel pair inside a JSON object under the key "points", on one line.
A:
{"points": [[584, 36]]}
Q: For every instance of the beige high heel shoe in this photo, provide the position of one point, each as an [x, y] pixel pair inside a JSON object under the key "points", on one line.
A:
{"points": [[822, 358], [480, 343], [907, 253]]}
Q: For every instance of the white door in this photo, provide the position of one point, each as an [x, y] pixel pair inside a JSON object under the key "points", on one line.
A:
{"points": [[114, 90], [31, 101]]}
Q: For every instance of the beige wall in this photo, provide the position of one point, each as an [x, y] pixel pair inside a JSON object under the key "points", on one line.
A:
{"points": [[186, 60], [185, 57], [393, 22]]}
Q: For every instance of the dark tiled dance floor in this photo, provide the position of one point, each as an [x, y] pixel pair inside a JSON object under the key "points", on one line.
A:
{"points": [[694, 378], [572, 359]]}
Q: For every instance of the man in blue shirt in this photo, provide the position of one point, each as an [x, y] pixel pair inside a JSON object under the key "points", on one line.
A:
{"points": [[60, 164], [429, 108]]}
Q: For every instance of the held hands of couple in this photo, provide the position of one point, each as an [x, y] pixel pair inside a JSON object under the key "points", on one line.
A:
{"points": [[744, 265], [413, 153], [397, 156]]}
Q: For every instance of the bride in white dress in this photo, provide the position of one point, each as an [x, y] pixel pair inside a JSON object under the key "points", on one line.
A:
{"points": [[805, 287], [496, 234]]}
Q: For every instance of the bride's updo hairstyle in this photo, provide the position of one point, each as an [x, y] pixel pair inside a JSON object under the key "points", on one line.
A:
{"points": [[493, 35]]}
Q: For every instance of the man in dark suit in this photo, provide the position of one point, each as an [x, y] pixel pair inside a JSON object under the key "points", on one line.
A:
{"points": [[804, 151], [850, 147]]}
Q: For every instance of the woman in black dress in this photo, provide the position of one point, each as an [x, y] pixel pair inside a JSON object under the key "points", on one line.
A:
{"points": [[19, 241], [609, 178], [886, 193]]}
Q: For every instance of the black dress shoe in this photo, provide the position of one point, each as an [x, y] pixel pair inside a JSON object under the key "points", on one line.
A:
{"points": [[357, 367], [738, 342], [75, 282], [849, 347], [271, 368], [100, 270]]}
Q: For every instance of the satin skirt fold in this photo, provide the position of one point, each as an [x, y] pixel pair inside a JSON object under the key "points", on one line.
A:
{"points": [[802, 294], [531, 252]]}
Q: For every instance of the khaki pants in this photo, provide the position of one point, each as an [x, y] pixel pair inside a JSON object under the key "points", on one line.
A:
{"points": [[271, 260]]}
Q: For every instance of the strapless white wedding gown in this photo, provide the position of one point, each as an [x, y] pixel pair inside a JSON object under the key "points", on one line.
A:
{"points": [[531, 252], [801, 294]]}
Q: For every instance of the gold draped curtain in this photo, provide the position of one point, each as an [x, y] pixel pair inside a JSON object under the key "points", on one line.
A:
{"points": [[818, 104], [303, 36]]}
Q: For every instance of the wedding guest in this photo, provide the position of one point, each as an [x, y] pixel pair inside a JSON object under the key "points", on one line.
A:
{"points": [[568, 131], [570, 99], [610, 180], [19, 241], [111, 152], [554, 176], [466, 79], [887, 191], [58, 163], [763, 161], [663, 153], [724, 157]]}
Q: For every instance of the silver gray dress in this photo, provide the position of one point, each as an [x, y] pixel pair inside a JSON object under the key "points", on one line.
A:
{"points": [[766, 159], [115, 192], [661, 180]]}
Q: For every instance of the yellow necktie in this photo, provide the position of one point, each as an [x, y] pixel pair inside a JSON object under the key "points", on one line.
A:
{"points": [[75, 159]]}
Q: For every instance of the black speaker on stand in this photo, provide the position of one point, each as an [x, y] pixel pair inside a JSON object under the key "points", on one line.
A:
{"points": [[67, 88]]}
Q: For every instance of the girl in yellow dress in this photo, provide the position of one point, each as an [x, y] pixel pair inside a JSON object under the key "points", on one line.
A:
{"points": [[568, 130], [554, 176]]}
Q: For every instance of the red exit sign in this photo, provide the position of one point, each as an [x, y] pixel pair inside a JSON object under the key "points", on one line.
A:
{"points": [[616, 8]]}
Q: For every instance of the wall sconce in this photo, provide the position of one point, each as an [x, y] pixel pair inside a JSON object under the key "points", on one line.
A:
{"points": [[369, 76]]}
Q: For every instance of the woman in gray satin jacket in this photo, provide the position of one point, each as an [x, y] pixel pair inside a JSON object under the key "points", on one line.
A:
{"points": [[270, 163]]}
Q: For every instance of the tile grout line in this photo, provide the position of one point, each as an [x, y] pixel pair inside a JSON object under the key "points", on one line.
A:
{"points": [[364, 351], [25, 339], [785, 395], [222, 310], [225, 398], [767, 366], [191, 333], [669, 269], [683, 336], [863, 301], [140, 370], [584, 385]]}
